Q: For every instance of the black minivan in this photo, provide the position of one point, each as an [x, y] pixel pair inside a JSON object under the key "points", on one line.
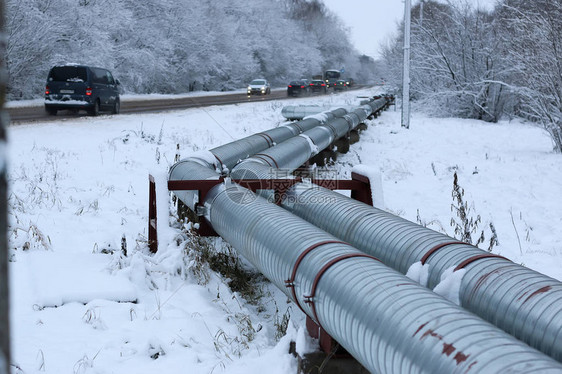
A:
{"points": [[75, 87]]}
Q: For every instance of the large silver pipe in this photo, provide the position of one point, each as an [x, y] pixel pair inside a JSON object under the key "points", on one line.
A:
{"points": [[232, 153], [293, 112], [217, 161], [388, 322], [293, 153], [522, 302]]}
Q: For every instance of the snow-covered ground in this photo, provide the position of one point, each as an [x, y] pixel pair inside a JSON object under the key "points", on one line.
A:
{"points": [[79, 189]]}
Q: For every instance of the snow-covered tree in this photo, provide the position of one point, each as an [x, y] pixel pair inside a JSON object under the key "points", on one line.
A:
{"points": [[533, 39], [455, 58], [472, 63], [173, 46]]}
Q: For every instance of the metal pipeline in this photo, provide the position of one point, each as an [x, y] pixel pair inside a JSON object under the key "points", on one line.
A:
{"points": [[294, 152], [292, 112], [522, 302], [217, 161], [230, 154], [388, 322]]}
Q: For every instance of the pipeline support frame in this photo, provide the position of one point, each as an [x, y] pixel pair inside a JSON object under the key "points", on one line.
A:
{"points": [[358, 184]]}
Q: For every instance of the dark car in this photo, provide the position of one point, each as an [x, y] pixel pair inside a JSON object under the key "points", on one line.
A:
{"points": [[79, 87], [298, 88], [350, 82], [340, 85], [318, 85]]}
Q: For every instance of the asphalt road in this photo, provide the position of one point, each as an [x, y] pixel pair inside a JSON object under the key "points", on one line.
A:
{"points": [[37, 113]]}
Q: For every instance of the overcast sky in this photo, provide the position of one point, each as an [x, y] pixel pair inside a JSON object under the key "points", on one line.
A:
{"points": [[371, 22]]}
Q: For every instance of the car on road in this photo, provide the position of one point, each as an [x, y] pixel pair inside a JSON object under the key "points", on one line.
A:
{"points": [[340, 85], [298, 88], [350, 82], [259, 87], [318, 85], [81, 87]]}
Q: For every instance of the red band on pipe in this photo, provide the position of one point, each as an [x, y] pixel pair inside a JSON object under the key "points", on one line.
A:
{"points": [[436, 248], [290, 282], [334, 131], [321, 273], [477, 257], [268, 156], [267, 138], [219, 160]]}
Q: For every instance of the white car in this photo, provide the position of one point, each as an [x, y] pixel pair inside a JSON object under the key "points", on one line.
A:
{"points": [[259, 87]]}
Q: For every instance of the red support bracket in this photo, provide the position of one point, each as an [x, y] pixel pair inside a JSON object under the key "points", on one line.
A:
{"points": [[360, 188], [359, 185], [290, 282], [362, 191], [326, 342], [152, 219]]}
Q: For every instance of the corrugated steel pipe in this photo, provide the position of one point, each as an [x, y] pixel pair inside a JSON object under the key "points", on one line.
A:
{"points": [[294, 152], [523, 302], [388, 322], [210, 165], [292, 112], [230, 154], [201, 167]]}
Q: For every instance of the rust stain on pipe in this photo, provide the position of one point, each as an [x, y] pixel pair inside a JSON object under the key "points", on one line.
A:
{"points": [[539, 291]]}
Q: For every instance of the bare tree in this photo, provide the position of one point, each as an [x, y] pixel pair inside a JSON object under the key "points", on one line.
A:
{"points": [[533, 39], [456, 60], [478, 64]]}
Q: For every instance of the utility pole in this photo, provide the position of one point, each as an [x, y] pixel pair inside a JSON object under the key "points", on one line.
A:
{"points": [[406, 73], [4, 295], [421, 12]]}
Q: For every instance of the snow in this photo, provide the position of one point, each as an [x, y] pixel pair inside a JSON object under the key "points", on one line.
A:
{"points": [[419, 273], [78, 187], [304, 343], [84, 280], [24, 103], [450, 284], [313, 148], [321, 115], [204, 155]]}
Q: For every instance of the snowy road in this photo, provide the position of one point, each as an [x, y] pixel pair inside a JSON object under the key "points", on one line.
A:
{"points": [[36, 112]]}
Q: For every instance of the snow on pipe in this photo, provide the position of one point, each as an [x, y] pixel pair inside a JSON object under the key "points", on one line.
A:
{"points": [[523, 302], [294, 152], [211, 164], [385, 320]]}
